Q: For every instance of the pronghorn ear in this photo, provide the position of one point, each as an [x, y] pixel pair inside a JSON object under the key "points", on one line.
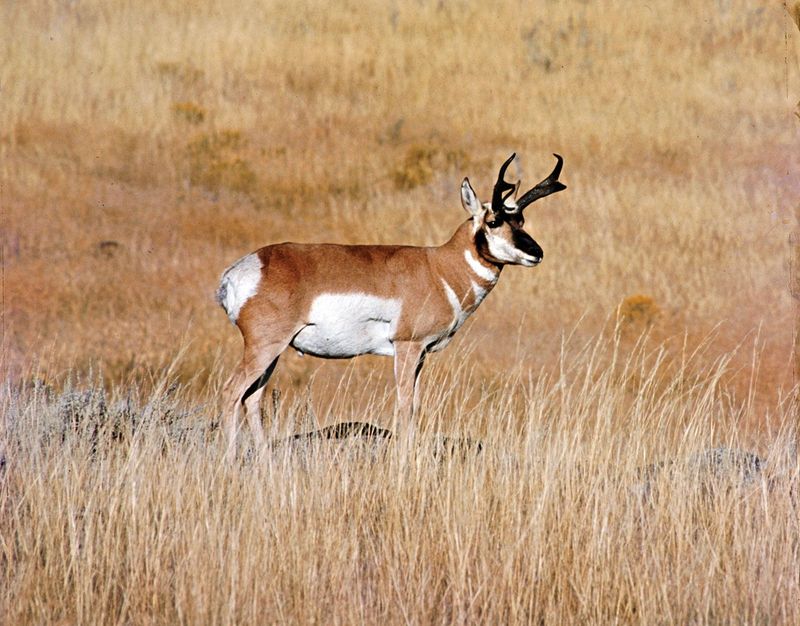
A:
{"points": [[470, 199]]}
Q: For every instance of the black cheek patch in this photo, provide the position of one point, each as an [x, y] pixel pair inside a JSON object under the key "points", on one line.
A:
{"points": [[482, 246]]}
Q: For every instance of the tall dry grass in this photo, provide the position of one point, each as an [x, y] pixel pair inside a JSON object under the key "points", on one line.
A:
{"points": [[144, 146], [118, 508]]}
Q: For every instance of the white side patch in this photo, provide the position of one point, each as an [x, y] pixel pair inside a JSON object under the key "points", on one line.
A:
{"points": [[238, 284], [342, 325], [481, 270]]}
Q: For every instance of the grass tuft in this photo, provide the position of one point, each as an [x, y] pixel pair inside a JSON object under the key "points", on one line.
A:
{"points": [[190, 112]]}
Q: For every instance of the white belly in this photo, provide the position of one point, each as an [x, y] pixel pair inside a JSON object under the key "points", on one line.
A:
{"points": [[346, 325]]}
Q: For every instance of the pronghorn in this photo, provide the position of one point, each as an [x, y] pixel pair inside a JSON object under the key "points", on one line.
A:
{"points": [[340, 301]]}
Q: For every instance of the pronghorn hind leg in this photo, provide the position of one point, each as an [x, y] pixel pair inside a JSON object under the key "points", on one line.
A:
{"points": [[244, 389], [409, 356], [252, 402], [230, 410]]}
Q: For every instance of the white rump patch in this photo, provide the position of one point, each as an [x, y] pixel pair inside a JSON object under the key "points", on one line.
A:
{"points": [[238, 284], [343, 325], [482, 271]]}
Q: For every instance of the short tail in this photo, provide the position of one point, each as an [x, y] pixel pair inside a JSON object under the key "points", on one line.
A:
{"points": [[225, 297]]}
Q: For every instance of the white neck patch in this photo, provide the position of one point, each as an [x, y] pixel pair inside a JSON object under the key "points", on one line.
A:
{"points": [[480, 293], [482, 271], [452, 298]]}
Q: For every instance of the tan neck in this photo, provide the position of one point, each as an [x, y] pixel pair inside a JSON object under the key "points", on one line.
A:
{"points": [[460, 265]]}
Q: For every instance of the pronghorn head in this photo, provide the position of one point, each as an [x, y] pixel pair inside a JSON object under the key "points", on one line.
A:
{"points": [[497, 225]]}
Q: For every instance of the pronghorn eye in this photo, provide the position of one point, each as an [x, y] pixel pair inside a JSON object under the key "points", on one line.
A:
{"points": [[494, 223]]}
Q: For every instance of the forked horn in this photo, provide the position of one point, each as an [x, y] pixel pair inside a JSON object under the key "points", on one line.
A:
{"points": [[502, 189], [545, 188]]}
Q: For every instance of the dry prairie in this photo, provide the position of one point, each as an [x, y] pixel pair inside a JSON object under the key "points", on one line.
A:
{"points": [[145, 146]]}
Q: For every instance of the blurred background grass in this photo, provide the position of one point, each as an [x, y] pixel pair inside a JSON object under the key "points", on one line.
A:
{"points": [[145, 146]]}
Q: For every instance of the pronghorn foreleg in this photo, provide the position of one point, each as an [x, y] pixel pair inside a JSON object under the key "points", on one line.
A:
{"points": [[409, 357]]}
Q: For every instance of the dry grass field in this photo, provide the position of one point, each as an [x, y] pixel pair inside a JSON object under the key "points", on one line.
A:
{"points": [[145, 146]]}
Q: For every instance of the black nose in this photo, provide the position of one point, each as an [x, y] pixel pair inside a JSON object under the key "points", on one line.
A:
{"points": [[525, 243]]}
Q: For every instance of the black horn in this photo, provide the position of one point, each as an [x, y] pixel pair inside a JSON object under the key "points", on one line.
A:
{"points": [[502, 189], [546, 187]]}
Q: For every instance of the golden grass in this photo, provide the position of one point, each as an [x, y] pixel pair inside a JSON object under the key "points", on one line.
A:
{"points": [[119, 508], [145, 146]]}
